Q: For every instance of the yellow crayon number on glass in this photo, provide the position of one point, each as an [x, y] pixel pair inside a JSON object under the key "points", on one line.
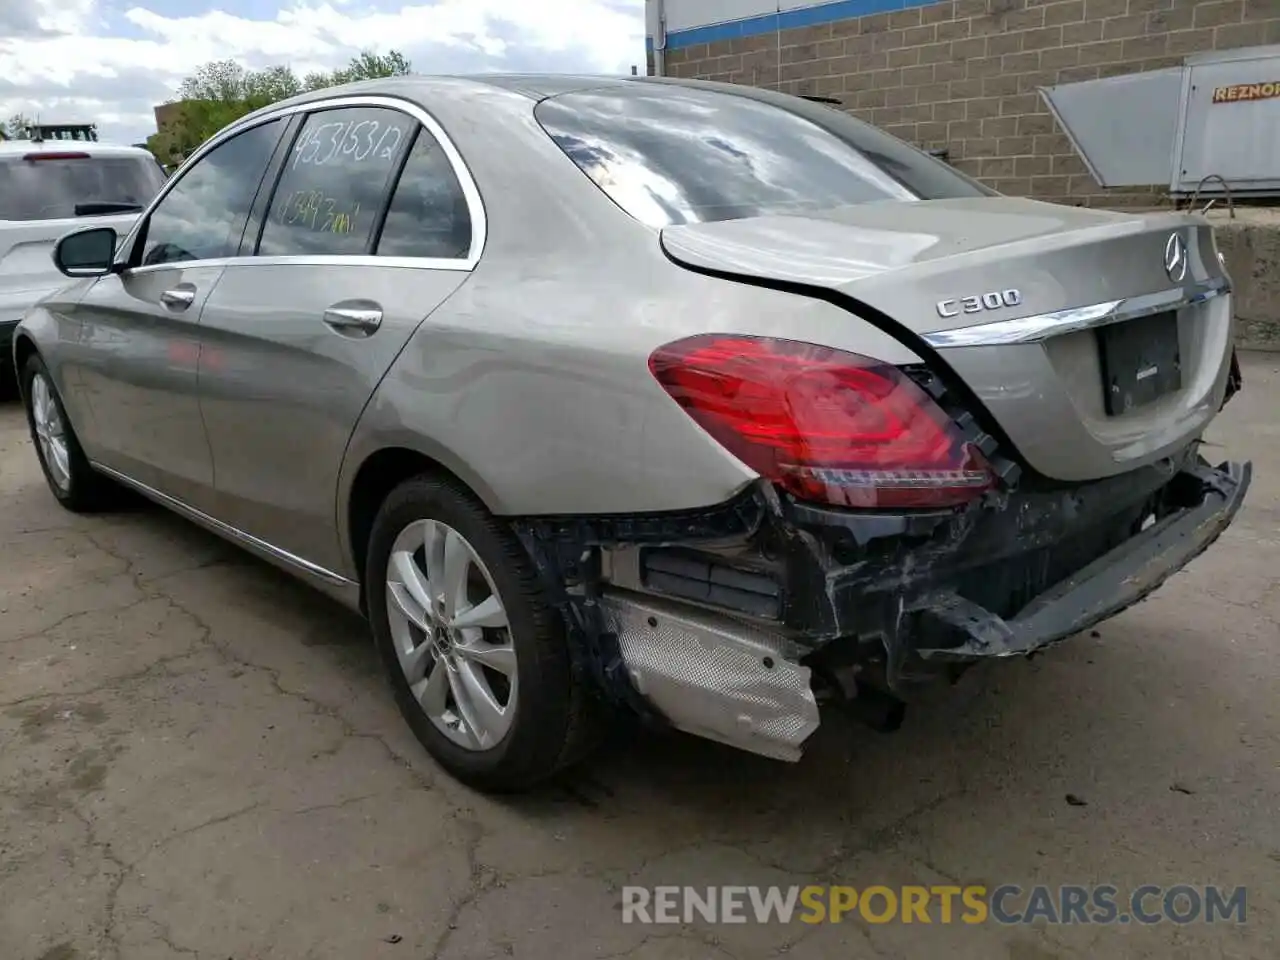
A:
{"points": [[340, 221], [313, 210], [302, 207]]}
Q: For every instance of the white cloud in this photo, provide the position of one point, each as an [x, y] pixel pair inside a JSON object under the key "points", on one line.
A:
{"points": [[59, 58], [63, 16]]}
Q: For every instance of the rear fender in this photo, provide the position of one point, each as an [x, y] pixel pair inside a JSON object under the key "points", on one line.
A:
{"points": [[373, 435]]}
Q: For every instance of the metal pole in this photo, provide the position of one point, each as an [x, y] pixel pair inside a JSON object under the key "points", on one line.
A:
{"points": [[660, 39]]}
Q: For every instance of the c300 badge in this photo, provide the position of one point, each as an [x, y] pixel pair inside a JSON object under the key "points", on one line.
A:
{"points": [[994, 300]]}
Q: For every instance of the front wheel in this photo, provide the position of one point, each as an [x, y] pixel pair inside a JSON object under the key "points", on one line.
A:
{"points": [[75, 483], [477, 658]]}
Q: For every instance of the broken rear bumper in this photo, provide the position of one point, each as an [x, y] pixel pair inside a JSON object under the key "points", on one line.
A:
{"points": [[1100, 590], [734, 623]]}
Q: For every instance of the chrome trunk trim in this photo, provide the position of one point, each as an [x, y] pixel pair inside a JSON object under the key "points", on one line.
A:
{"points": [[1043, 326]]}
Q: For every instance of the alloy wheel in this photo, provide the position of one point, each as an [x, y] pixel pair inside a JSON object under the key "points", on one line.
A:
{"points": [[50, 432], [451, 634]]}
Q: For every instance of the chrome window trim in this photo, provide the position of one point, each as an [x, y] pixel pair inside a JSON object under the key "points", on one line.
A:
{"points": [[312, 260], [1039, 327], [475, 204]]}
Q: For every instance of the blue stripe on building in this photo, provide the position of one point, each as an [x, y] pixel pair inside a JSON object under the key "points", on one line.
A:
{"points": [[785, 20]]}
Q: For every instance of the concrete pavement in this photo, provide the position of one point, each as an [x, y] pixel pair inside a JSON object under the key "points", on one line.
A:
{"points": [[198, 758]]}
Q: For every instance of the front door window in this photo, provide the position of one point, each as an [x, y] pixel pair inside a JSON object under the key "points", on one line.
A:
{"points": [[202, 217]]}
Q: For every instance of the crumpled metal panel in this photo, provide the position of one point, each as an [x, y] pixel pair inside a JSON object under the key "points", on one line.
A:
{"points": [[715, 676]]}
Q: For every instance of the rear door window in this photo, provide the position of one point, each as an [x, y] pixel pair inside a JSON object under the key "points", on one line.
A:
{"points": [[335, 182], [49, 184], [428, 214], [669, 154]]}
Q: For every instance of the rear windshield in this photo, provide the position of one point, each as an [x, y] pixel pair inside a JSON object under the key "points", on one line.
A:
{"points": [[668, 154], [49, 189]]}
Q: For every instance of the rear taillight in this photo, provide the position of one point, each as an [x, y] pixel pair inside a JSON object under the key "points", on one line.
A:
{"points": [[823, 424]]}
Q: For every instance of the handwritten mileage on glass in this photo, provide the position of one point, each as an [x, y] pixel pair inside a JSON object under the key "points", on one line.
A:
{"points": [[334, 181], [315, 211]]}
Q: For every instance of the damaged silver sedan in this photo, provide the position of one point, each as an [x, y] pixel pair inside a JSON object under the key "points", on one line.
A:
{"points": [[695, 401]]}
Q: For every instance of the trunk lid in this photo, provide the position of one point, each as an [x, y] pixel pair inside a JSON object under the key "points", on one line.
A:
{"points": [[1051, 315]]}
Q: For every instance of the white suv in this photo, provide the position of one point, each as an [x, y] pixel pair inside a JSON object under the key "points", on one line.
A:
{"points": [[48, 188]]}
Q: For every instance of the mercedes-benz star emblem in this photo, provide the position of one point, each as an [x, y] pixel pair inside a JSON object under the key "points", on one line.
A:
{"points": [[1175, 258]]}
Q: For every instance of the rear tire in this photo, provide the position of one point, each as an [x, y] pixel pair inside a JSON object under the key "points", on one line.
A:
{"points": [[495, 731], [75, 484]]}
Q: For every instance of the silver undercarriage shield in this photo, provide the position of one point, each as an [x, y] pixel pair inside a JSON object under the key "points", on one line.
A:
{"points": [[713, 676]]}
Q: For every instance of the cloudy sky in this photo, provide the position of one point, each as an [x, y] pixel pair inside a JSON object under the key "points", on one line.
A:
{"points": [[111, 61]]}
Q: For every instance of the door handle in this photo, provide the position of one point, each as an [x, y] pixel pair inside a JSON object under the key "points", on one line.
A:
{"points": [[354, 319], [179, 298]]}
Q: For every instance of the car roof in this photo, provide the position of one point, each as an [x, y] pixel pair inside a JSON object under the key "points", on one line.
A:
{"points": [[431, 88], [540, 85], [530, 85], [12, 148], [513, 90], [495, 91]]}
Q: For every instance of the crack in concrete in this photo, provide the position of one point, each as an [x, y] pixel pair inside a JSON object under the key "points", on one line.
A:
{"points": [[109, 935], [876, 841], [257, 806], [153, 589], [319, 708], [883, 838], [124, 871], [66, 618], [481, 879], [710, 942], [165, 841], [33, 531], [165, 936], [854, 923], [928, 863], [155, 668], [1254, 606]]}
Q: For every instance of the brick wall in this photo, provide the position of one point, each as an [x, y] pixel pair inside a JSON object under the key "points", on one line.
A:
{"points": [[168, 114], [962, 74]]}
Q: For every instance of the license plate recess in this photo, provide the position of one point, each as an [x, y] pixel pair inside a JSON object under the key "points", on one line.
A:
{"points": [[1141, 361]]}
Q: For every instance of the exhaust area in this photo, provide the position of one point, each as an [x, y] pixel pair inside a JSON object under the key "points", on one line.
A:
{"points": [[714, 676]]}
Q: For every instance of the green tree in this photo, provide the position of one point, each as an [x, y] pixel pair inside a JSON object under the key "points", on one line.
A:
{"points": [[367, 66], [222, 80], [270, 85], [223, 91], [370, 66]]}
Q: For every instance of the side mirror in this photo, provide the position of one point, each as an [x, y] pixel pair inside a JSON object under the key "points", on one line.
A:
{"points": [[90, 252]]}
